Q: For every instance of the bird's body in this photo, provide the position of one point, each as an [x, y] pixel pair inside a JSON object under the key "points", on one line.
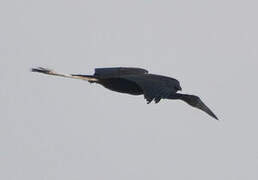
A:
{"points": [[137, 81], [121, 85]]}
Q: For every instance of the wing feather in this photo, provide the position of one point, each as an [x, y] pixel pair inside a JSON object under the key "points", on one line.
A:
{"points": [[154, 87], [118, 71]]}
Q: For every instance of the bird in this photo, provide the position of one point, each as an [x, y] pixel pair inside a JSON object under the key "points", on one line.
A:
{"points": [[136, 81]]}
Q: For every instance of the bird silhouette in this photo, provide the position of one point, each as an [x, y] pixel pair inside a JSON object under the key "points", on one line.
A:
{"points": [[136, 81]]}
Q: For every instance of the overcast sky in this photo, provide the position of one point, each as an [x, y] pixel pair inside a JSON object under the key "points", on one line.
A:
{"points": [[53, 128]]}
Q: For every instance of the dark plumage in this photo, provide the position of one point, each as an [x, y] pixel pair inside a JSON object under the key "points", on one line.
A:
{"points": [[137, 81]]}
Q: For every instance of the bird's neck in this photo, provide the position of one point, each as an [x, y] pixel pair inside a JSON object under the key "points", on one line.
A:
{"points": [[184, 97], [176, 96]]}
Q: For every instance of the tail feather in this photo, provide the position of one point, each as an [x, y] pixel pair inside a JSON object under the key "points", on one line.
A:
{"points": [[73, 76], [41, 70], [89, 78]]}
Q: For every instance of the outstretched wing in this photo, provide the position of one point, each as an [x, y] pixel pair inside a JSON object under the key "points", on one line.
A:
{"points": [[118, 71], [155, 87]]}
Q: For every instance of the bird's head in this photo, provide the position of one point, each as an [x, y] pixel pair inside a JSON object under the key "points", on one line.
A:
{"points": [[192, 100], [196, 102]]}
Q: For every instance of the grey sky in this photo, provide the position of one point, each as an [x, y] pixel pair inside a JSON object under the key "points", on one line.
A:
{"points": [[53, 128]]}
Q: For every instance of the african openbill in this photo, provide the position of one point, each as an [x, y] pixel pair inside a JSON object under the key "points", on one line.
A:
{"points": [[136, 81]]}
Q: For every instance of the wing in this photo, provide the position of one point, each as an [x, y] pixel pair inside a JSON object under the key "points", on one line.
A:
{"points": [[118, 71], [155, 87]]}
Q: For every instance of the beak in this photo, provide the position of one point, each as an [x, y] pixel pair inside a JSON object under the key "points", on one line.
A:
{"points": [[203, 107]]}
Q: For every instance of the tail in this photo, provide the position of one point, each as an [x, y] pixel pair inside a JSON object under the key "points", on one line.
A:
{"points": [[72, 76]]}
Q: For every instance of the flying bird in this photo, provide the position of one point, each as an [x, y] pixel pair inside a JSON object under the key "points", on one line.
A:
{"points": [[136, 81]]}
